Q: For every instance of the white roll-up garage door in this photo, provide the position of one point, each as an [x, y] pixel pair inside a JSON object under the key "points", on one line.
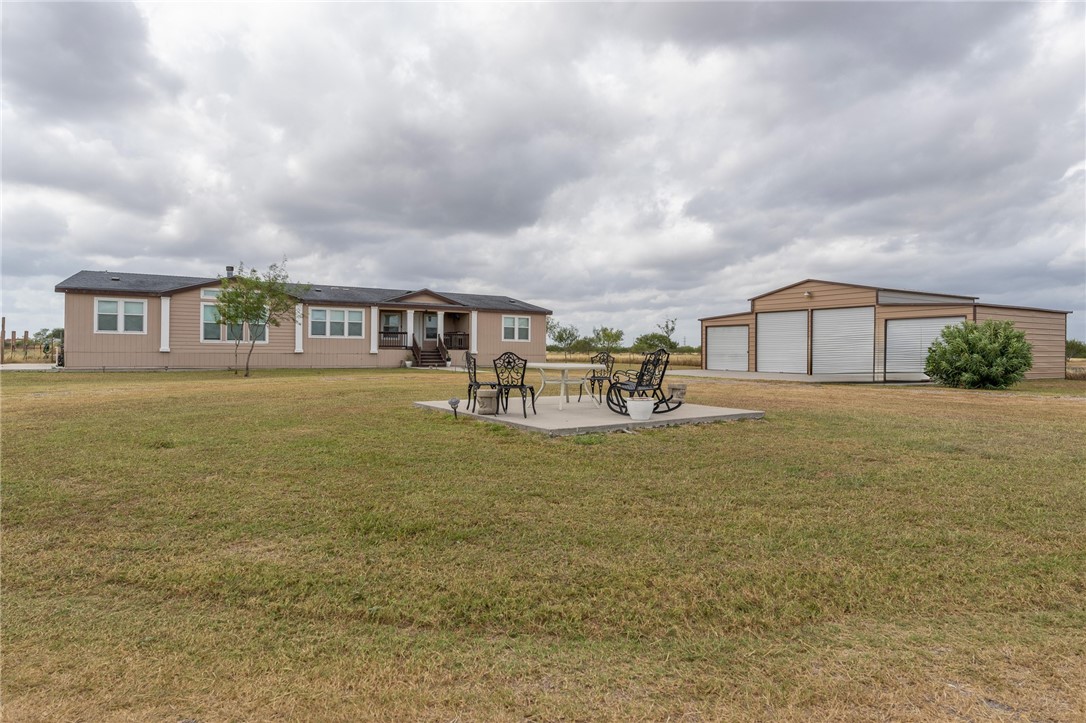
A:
{"points": [[726, 348], [782, 342], [907, 342], [843, 341]]}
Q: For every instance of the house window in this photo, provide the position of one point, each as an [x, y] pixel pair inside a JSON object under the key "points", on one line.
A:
{"points": [[212, 328], [120, 316], [516, 328], [210, 293], [333, 323], [211, 324], [390, 322]]}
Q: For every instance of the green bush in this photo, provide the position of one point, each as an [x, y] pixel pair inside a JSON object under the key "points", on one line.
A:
{"points": [[990, 355], [1076, 349]]}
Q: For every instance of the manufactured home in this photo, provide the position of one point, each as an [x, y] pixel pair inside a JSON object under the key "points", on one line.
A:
{"points": [[863, 333], [120, 320]]}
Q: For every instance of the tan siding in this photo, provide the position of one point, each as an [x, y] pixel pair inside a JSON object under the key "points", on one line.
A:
{"points": [[84, 349], [746, 320], [922, 311], [424, 299], [1046, 331], [824, 295], [492, 345]]}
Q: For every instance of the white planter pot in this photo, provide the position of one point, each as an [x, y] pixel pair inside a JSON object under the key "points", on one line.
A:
{"points": [[640, 408]]}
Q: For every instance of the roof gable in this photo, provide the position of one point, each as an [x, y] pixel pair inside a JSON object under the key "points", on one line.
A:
{"points": [[424, 296], [949, 297]]}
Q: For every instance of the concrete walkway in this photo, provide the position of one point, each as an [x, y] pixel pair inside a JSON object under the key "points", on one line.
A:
{"points": [[27, 368], [776, 376], [585, 418]]}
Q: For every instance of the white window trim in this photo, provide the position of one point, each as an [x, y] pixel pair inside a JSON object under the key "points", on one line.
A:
{"points": [[398, 315], [514, 340], [120, 315], [224, 340], [205, 295], [328, 323]]}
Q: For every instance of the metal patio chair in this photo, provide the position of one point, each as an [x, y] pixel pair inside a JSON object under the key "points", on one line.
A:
{"points": [[510, 369], [598, 380], [473, 381], [645, 383]]}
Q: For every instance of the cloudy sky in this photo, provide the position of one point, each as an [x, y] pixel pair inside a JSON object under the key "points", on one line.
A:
{"points": [[620, 164]]}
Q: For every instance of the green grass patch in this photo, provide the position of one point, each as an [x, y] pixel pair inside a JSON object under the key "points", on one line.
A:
{"points": [[307, 544]]}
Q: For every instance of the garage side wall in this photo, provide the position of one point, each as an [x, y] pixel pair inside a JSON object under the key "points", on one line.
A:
{"points": [[1046, 331], [746, 320]]}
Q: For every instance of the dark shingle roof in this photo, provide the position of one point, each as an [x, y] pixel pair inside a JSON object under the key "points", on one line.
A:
{"points": [[122, 281], [157, 285]]}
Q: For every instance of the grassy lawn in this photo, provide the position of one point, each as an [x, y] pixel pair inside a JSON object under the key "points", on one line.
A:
{"points": [[308, 545]]}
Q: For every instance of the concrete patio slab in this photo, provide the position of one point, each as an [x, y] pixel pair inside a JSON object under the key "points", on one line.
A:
{"points": [[585, 418]]}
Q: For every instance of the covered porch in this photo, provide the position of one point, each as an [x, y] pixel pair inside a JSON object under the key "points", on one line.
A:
{"points": [[432, 336]]}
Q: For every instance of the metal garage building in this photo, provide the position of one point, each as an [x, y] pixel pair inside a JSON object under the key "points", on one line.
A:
{"points": [[863, 333]]}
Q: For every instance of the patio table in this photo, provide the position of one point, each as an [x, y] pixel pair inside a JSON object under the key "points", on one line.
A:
{"points": [[565, 368]]}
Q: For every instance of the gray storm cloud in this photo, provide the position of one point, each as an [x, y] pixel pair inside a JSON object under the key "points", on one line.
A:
{"points": [[618, 163]]}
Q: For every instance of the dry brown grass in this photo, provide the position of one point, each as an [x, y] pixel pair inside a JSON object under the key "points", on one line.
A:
{"points": [[631, 360], [1076, 369], [308, 546]]}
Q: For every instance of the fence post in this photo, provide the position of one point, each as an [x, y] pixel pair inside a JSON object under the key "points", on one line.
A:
{"points": [[26, 344], [14, 341], [3, 335]]}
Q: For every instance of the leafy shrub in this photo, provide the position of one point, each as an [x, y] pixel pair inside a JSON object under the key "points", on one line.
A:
{"points": [[989, 355], [1076, 349]]}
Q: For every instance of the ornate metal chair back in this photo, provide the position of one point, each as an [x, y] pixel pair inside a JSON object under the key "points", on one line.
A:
{"points": [[653, 368], [510, 369], [605, 359]]}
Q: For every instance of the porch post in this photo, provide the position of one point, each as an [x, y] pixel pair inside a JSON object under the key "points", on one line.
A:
{"points": [[374, 330], [164, 332], [299, 327], [474, 332], [441, 325], [410, 326]]}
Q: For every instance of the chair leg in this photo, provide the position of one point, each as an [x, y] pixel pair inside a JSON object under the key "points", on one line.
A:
{"points": [[524, 402], [531, 393]]}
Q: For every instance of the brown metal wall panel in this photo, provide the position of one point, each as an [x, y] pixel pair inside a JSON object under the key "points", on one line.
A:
{"points": [[824, 295], [1046, 331]]}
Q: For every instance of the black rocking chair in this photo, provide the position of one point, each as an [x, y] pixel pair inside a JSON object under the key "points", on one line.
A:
{"points": [[644, 383], [598, 379], [473, 381], [510, 369]]}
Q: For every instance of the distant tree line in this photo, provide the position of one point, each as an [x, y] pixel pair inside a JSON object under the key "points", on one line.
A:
{"points": [[567, 339]]}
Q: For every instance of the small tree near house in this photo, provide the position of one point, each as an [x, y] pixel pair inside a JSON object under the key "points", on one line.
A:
{"points": [[252, 301]]}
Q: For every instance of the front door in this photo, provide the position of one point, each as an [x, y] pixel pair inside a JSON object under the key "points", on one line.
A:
{"points": [[426, 330]]}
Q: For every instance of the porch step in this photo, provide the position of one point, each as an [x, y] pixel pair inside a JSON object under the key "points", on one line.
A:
{"points": [[431, 358]]}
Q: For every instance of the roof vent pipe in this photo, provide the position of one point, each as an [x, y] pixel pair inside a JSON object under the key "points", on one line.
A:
{"points": [[229, 272]]}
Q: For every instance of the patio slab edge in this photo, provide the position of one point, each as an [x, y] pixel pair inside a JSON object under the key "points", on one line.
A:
{"points": [[592, 420]]}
